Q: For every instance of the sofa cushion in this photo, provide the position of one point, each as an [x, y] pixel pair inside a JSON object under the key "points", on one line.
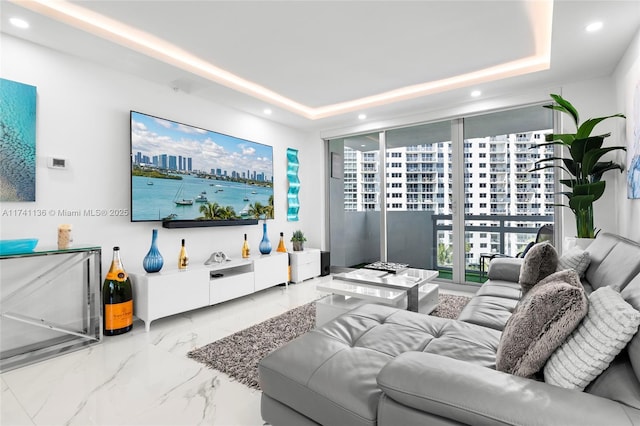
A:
{"points": [[541, 321], [504, 289], [576, 259], [614, 262], [505, 269], [540, 262], [329, 374], [620, 382], [631, 294], [604, 332], [488, 311], [617, 383]]}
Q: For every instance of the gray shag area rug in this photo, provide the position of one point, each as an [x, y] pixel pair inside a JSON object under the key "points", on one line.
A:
{"points": [[238, 355]]}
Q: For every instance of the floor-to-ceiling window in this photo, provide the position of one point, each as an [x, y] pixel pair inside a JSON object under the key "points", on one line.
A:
{"points": [[441, 195], [355, 199], [504, 203], [418, 188]]}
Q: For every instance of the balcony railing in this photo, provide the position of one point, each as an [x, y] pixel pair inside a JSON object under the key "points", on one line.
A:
{"points": [[498, 226]]}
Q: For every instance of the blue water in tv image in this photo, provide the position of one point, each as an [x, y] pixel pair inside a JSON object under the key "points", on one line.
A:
{"points": [[181, 172], [17, 141]]}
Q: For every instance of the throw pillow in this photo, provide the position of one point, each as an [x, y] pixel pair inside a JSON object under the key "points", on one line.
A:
{"points": [[539, 262], [609, 325], [541, 321], [576, 259]]}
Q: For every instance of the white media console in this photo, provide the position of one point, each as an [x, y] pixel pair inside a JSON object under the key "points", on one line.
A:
{"points": [[169, 292]]}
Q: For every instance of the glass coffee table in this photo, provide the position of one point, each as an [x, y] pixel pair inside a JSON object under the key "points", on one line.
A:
{"points": [[410, 289]]}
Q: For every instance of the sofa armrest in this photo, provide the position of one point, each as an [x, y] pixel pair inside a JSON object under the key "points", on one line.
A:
{"points": [[505, 269], [476, 395]]}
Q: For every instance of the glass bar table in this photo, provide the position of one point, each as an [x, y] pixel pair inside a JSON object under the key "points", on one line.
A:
{"points": [[50, 303]]}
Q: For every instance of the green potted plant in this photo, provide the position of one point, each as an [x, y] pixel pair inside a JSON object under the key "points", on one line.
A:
{"points": [[298, 240], [583, 165]]}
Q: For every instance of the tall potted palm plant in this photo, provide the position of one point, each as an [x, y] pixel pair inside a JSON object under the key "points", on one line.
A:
{"points": [[583, 165]]}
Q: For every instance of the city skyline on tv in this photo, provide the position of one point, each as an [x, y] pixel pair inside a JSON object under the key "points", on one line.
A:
{"points": [[210, 152], [181, 172]]}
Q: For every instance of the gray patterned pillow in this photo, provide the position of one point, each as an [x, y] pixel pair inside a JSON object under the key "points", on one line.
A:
{"points": [[576, 259], [539, 262], [541, 321]]}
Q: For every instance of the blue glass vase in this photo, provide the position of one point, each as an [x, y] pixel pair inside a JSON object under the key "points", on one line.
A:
{"points": [[265, 244], [153, 261]]}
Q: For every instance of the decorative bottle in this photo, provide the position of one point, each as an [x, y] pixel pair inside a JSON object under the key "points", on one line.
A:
{"points": [[265, 244], [245, 248], [117, 299], [153, 261], [281, 247], [183, 259]]}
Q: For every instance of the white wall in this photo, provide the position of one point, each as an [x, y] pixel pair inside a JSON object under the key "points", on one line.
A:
{"points": [[627, 87], [83, 116]]}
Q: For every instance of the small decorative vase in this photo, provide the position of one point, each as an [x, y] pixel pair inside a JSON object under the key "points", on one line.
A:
{"points": [[153, 261], [265, 244], [298, 246]]}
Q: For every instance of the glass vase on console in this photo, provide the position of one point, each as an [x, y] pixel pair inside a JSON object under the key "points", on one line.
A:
{"points": [[265, 244], [153, 261]]}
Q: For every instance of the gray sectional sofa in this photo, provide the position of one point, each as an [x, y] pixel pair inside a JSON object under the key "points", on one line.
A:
{"points": [[380, 365]]}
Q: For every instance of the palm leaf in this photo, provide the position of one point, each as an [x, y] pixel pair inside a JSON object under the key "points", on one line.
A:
{"points": [[548, 166], [601, 167], [564, 106], [570, 166], [595, 189], [542, 160], [580, 202], [568, 182], [591, 158], [559, 138], [585, 128], [582, 146]]}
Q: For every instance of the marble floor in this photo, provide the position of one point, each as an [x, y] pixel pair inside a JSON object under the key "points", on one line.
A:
{"points": [[144, 378]]}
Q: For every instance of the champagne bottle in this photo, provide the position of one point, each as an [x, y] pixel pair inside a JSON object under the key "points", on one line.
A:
{"points": [[183, 259], [117, 298], [245, 248], [281, 247]]}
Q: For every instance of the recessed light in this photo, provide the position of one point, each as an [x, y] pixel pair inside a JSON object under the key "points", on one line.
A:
{"points": [[362, 116], [267, 111], [593, 27], [476, 93], [20, 23]]}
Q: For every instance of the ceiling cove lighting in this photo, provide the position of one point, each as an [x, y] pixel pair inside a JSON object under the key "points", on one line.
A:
{"points": [[19, 23], [593, 27], [540, 15]]}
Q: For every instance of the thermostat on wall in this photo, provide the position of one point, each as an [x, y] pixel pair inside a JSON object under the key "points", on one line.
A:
{"points": [[57, 163]]}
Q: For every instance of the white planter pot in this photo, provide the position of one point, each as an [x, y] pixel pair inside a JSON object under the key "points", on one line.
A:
{"points": [[571, 242]]}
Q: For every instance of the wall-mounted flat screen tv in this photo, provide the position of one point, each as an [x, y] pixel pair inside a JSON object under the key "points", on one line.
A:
{"points": [[185, 173]]}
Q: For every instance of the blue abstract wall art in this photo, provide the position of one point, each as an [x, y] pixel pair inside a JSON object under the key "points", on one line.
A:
{"points": [[633, 153], [294, 185], [17, 141]]}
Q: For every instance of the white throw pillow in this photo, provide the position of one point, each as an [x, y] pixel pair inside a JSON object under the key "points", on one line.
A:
{"points": [[576, 259], [609, 325]]}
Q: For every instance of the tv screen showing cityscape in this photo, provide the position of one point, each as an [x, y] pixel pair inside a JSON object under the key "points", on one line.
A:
{"points": [[181, 172]]}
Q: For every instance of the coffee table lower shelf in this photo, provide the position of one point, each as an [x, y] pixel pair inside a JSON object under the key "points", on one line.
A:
{"points": [[333, 305]]}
